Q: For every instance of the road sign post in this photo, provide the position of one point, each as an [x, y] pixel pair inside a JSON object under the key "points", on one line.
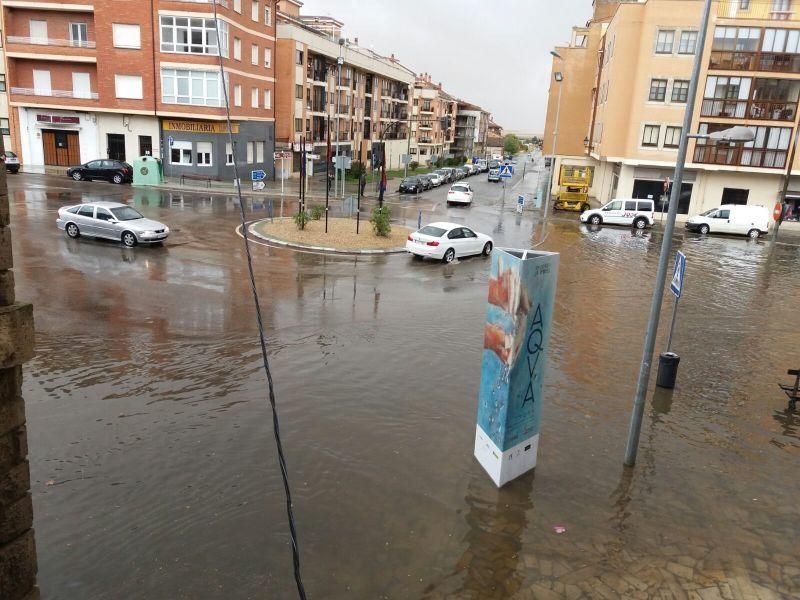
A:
{"points": [[520, 203], [668, 361]]}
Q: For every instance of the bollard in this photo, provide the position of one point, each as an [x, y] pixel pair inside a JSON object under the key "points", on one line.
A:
{"points": [[667, 369], [516, 341], [419, 220]]}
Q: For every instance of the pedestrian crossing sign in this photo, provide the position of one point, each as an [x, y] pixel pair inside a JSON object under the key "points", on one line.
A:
{"points": [[676, 285], [506, 171]]}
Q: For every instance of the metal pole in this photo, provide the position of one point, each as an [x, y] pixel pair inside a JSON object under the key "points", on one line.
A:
{"points": [[784, 191], [672, 324], [408, 146], [666, 247], [327, 172], [358, 204], [283, 174], [553, 154], [338, 100]]}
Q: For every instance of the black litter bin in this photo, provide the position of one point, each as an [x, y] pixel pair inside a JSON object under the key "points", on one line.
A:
{"points": [[667, 369]]}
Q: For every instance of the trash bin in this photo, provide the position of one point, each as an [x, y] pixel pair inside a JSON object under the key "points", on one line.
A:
{"points": [[667, 369], [147, 170]]}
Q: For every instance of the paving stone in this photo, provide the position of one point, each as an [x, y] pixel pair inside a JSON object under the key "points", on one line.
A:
{"points": [[681, 571]]}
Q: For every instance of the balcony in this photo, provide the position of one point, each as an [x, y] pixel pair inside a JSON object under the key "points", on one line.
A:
{"points": [[773, 62], [739, 156], [54, 93], [764, 10], [223, 3], [33, 41]]}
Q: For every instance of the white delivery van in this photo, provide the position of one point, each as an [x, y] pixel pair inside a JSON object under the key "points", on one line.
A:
{"points": [[637, 212], [740, 219]]}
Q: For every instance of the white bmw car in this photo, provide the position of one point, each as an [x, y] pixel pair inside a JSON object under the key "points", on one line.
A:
{"points": [[459, 193], [447, 241]]}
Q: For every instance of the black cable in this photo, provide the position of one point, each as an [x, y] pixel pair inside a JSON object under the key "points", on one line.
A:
{"points": [[275, 424]]}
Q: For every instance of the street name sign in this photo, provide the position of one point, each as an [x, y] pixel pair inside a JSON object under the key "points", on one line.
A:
{"points": [[282, 155], [259, 185], [676, 285], [258, 175]]}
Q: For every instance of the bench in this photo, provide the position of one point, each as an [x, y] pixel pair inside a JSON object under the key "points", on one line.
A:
{"points": [[793, 392], [191, 177]]}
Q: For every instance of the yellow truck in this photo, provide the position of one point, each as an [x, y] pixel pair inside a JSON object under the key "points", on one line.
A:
{"points": [[573, 188]]}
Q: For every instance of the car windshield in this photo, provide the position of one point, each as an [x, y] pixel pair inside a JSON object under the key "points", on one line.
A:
{"points": [[432, 231], [708, 212], [458, 188], [410, 180], [10, 154], [126, 213]]}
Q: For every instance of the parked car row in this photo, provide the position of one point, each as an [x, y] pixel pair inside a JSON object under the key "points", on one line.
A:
{"points": [[416, 184]]}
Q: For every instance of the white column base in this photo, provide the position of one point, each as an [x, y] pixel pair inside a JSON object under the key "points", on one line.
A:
{"points": [[503, 467]]}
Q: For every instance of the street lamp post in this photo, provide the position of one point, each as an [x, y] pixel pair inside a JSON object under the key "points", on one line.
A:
{"points": [[338, 84], [559, 77]]}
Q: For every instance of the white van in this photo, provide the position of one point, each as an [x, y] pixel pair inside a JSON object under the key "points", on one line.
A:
{"points": [[637, 212], [740, 219]]}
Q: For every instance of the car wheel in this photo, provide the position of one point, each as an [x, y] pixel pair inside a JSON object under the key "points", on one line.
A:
{"points": [[487, 249], [449, 256], [585, 207], [754, 234], [129, 239], [704, 229], [640, 223], [117, 178], [595, 219], [77, 176], [72, 230]]}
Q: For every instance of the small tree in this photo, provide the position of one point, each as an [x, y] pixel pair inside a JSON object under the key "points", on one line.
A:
{"points": [[413, 165], [316, 212], [511, 144], [380, 220], [357, 168], [301, 218]]}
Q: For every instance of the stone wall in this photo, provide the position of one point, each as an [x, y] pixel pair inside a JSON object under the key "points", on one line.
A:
{"points": [[17, 548]]}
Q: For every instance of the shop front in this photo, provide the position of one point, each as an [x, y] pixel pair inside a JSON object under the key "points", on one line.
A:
{"points": [[655, 184], [202, 148], [56, 139]]}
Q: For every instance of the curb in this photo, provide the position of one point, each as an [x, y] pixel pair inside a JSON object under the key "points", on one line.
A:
{"points": [[293, 245]]}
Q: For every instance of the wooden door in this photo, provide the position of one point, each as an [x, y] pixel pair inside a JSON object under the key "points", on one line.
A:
{"points": [[61, 148]]}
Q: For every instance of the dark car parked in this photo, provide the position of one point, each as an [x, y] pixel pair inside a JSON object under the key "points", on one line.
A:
{"points": [[411, 185], [115, 171], [11, 161], [427, 182]]}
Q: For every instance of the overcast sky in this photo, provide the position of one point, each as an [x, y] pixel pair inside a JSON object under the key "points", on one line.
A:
{"points": [[495, 54]]}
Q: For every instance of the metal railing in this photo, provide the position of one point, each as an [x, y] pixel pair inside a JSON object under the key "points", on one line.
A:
{"points": [[223, 3], [54, 93], [765, 10], [767, 110], [773, 62], [739, 156], [37, 41]]}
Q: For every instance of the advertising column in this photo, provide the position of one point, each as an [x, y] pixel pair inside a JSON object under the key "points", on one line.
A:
{"points": [[522, 291]]}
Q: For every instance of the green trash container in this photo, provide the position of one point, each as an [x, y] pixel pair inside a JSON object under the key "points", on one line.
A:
{"points": [[147, 170]]}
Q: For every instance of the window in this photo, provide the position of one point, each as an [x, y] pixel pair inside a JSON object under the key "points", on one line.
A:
{"points": [[2, 82], [744, 4], [672, 137], [250, 153], [204, 154], [228, 154], [181, 86], [145, 145], [651, 135], [237, 6], [254, 97], [86, 210], [181, 153], [722, 214], [237, 95], [298, 92], [687, 44], [664, 41], [298, 57], [254, 54], [81, 85], [781, 10], [630, 205], [615, 205], [254, 10], [267, 98], [193, 35], [680, 90], [781, 40], [4, 128], [726, 97], [79, 35], [128, 86], [41, 83], [237, 49], [736, 39], [734, 196], [658, 90], [267, 16], [298, 125], [268, 58], [126, 36], [259, 152], [38, 31]]}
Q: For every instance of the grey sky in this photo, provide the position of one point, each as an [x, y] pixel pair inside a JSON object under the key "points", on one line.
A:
{"points": [[492, 53]]}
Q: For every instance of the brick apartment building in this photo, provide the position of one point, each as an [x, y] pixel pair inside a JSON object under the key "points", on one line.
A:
{"points": [[153, 88], [370, 99], [431, 138]]}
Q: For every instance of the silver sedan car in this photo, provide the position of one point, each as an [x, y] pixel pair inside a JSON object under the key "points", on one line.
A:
{"points": [[110, 220]]}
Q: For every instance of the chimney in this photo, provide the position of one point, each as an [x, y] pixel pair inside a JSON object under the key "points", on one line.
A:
{"points": [[355, 41]]}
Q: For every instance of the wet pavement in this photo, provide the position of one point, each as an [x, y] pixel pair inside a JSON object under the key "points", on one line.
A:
{"points": [[152, 457]]}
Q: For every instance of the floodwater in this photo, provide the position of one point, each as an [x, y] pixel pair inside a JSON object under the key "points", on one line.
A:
{"points": [[154, 466]]}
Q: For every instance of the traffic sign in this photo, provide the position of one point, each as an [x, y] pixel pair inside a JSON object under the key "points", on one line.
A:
{"points": [[299, 147], [676, 285], [776, 214], [171, 141], [259, 185], [258, 175], [282, 155], [520, 203], [506, 171], [312, 156]]}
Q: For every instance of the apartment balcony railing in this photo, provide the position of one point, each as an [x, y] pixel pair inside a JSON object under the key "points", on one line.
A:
{"points": [[217, 2], [742, 109], [739, 156], [318, 106], [773, 62], [424, 140], [428, 109], [55, 93], [774, 10], [37, 41]]}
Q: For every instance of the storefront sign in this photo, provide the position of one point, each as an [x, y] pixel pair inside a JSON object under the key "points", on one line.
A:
{"points": [[199, 126], [58, 119]]}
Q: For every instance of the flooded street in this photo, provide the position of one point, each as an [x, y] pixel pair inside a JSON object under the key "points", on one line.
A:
{"points": [[153, 464]]}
